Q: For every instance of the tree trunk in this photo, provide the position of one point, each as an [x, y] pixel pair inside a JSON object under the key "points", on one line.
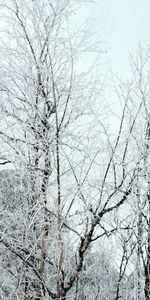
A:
{"points": [[139, 245], [147, 266]]}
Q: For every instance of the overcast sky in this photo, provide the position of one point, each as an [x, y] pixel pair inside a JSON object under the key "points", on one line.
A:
{"points": [[122, 25]]}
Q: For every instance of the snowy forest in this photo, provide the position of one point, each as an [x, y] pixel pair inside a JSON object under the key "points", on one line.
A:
{"points": [[74, 172]]}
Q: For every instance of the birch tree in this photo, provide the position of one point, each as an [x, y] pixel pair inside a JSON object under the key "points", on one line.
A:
{"points": [[73, 172], [138, 110]]}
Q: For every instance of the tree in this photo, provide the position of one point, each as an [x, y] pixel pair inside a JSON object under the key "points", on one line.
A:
{"points": [[137, 92], [73, 174]]}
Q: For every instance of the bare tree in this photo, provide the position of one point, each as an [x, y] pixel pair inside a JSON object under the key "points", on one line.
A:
{"points": [[74, 173], [138, 91]]}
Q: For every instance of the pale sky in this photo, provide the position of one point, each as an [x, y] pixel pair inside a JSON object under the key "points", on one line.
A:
{"points": [[122, 25]]}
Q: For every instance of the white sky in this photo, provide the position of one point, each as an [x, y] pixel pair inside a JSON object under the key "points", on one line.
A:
{"points": [[122, 25]]}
